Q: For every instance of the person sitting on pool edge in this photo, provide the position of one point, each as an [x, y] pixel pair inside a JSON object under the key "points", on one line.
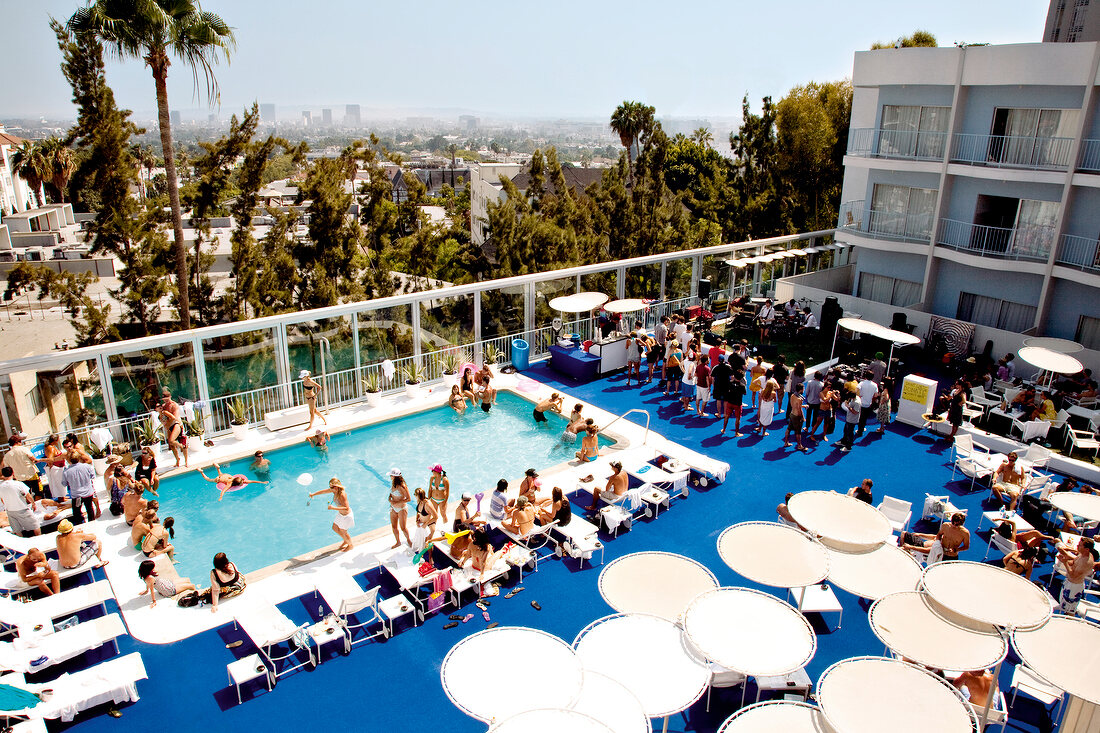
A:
{"points": [[225, 581], [225, 482], [616, 486], [153, 581], [590, 448], [319, 440], [552, 403], [484, 381]]}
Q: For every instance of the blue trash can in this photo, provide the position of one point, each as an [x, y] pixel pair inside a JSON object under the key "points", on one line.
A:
{"points": [[521, 353]]}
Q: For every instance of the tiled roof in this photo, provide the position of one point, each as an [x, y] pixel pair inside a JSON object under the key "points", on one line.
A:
{"points": [[6, 139]]}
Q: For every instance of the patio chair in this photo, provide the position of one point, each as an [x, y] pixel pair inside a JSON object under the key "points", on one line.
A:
{"points": [[36, 653], [14, 614], [269, 628], [579, 539], [1025, 680], [998, 712], [972, 469], [995, 540], [978, 396], [1030, 429], [722, 677], [1036, 455], [897, 511], [537, 541], [354, 607], [112, 681], [1083, 440], [965, 447]]}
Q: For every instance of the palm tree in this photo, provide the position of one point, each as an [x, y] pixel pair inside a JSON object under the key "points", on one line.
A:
{"points": [[60, 164], [30, 162], [154, 30], [631, 120], [702, 137]]}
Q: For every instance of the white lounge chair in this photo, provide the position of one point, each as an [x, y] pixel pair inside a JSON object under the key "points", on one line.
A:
{"points": [[897, 511], [580, 539], [23, 617], [356, 608], [537, 542], [1005, 546], [114, 681], [35, 653], [269, 628], [12, 584]]}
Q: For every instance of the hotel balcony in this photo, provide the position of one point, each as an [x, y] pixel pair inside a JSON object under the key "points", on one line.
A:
{"points": [[897, 144], [1029, 243], [888, 225], [1008, 151], [1090, 156], [1080, 252]]}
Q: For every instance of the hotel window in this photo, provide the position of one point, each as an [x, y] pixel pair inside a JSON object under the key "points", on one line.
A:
{"points": [[913, 132], [1088, 332], [886, 289], [1032, 137], [34, 401], [995, 313], [902, 211]]}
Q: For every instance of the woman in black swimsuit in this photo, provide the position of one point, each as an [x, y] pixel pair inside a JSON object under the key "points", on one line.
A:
{"points": [[225, 581], [310, 389], [426, 514], [173, 432], [466, 385], [146, 468]]}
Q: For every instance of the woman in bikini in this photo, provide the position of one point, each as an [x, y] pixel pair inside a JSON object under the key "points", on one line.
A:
{"points": [[344, 519], [1021, 562], [590, 449], [310, 390], [173, 432], [439, 491], [167, 587], [399, 512], [557, 507], [756, 379], [142, 524], [225, 482], [480, 552], [456, 401], [55, 466], [157, 540], [466, 386], [426, 515], [225, 581]]}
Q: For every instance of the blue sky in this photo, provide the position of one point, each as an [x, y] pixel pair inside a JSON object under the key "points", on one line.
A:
{"points": [[514, 58]]}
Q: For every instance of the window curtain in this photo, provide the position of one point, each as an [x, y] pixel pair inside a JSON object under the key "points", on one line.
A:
{"points": [[922, 205], [1035, 224], [878, 288], [933, 128], [1019, 145], [1088, 332], [899, 130], [889, 205], [979, 309], [1016, 316], [906, 293]]}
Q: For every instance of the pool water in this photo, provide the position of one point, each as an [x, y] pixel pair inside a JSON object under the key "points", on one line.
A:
{"points": [[260, 525]]}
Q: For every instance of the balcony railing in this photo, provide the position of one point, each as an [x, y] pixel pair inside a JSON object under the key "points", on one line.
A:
{"points": [[902, 144], [1013, 151], [1028, 242], [1082, 252], [890, 225], [1090, 155]]}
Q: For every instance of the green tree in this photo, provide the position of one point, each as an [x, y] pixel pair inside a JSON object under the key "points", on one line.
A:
{"points": [[154, 31], [760, 186], [29, 161], [329, 260], [919, 38], [702, 136], [631, 121]]}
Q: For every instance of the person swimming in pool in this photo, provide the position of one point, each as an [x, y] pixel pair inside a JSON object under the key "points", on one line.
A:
{"points": [[590, 449], [319, 440], [225, 482], [486, 400], [260, 465]]}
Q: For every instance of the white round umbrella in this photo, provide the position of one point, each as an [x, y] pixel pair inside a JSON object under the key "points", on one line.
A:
{"points": [[769, 257], [739, 263], [842, 519], [646, 655], [873, 694], [578, 302], [658, 583], [463, 673], [814, 250], [787, 253], [1064, 653], [797, 252], [1079, 505], [1064, 346], [773, 554], [875, 573], [627, 305], [777, 715], [551, 720], [915, 627], [770, 638], [1050, 361], [988, 594], [751, 260], [612, 704]]}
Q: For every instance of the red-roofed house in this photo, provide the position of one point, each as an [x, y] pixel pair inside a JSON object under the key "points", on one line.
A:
{"points": [[15, 194]]}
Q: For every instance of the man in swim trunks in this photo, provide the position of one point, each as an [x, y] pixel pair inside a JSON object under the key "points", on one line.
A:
{"points": [[552, 403], [76, 548], [1080, 563], [590, 450], [486, 399], [1008, 481], [484, 381], [616, 486], [34, 569], [954, 537], [133, 503]]}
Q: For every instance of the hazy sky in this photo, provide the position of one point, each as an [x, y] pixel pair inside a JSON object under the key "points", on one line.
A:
{"points": [[514, 58]]}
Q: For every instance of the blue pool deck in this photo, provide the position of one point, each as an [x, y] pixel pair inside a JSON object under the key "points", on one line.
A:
{"points": [[395, 684]]}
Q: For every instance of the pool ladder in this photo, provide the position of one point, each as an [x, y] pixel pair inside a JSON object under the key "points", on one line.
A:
{"points": [[620, 417]]}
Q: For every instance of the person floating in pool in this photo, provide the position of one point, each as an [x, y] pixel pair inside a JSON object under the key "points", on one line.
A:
{"points": [[226, 482], [319, 440], [310, 389], [552, 403], [260, 465], [344, 519]]}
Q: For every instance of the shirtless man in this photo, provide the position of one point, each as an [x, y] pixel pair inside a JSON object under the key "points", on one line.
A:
{"points": [[954, 537], [484, 382], [552, 403], [75, 548], [590, 448], [34, 569], [1080, 565], [975, 687], [259, 463], [616, 486], [1008, 480], [133, 502], [521, 518]]}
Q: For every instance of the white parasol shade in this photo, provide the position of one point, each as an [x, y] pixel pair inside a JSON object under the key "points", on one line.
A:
{"points": [[773, 554], [1062, 346], [777, 715], [858, 325], [551, 720], [463, 673], [646, 655], [627, 305], [739, 263], [658, 583], [912, 625], [815, 249], [612, 704], [1050, 361], [875, 573], [988, 594], [787, 253], [751, 260], [1079, 505], [872, 694], [770, 638], [843, 519], [578, 302], [769, 257], [1064, 653], [797, 252]]}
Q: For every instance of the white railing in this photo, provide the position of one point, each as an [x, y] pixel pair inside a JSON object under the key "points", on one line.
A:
{"points": [[903, 227], [1090, 155], [1019, 243], [905, 144], [1013, 151], [1082, 252]]}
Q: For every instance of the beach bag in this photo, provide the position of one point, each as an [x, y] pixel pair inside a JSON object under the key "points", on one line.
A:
{"points": [[188, 599], [116, 508]]}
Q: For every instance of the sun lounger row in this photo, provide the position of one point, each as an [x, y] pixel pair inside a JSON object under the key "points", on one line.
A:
{"points": [[114, 681]]}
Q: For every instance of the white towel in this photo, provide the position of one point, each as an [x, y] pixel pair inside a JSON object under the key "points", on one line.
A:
{"points": [[189, 411], [388, 370], [633, 501]]}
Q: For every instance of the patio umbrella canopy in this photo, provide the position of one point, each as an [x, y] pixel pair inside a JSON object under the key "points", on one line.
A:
{"points": [[910, 624], [987, 594], [872, 694], [739, 263], [1050, 361], [1062, 346], [872, 574], [776, 715], [750, 632], [463, 673], [842, 519], [612, 704], [1064, 652], [578, 302], [1079, 505], [627, 305], [790, 558], [551, 720], [657, 583]]}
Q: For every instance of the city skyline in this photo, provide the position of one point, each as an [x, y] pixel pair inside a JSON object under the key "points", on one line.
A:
{"points": [[698, 62]]}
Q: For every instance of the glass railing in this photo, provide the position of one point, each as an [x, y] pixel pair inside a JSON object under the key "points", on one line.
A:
{"points": [[1082, 252], [898, 144], [892, 225], [1028, 242], [1012, 151]]}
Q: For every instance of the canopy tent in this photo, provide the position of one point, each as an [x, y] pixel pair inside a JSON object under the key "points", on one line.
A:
{"points": [[645, 654], [1064, 653], [872, 574], [915, 627], [1079, 505], [842, 519], [777, 715], [859, 325], [770, 638], [793, 559], [627, 305], [1047, 360], [551, 720], [1062, 346], [988, 594], [463, 673], [872, 694], [612, 704], [578, 302], [657, 583]]}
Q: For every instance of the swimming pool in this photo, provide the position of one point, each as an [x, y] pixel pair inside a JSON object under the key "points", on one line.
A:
{"points": [[260, 525]]}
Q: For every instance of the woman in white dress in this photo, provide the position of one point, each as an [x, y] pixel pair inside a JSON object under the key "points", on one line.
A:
{"points": [[767, 404]]}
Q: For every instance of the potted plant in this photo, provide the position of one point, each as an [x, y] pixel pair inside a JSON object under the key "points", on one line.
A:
{"points": [[195, 430], [414, 375], [148, 434], [238, 417], [490, 356], [99, 456], [372, 385], [450, 362]]}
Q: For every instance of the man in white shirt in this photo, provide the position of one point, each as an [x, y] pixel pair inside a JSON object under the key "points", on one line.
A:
{"points": [[1010, 366], [18, 503], [22, 463], [809, 324], [867, 391], [766, 317]]}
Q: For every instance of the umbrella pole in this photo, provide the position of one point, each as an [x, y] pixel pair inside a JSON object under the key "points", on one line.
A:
{"points": [[665, 728], [836, 332], [996, 686], [890, 361]]}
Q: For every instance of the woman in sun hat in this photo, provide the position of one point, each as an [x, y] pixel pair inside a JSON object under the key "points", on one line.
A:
{"points": [[344, 519], [310, 389], [439, 490], [399, 507]]}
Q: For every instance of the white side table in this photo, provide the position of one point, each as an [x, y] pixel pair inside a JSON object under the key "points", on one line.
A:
{"points": [[818, 598], [395, 608], [247, 669], [326, 631], [654, 499], [797, 682]]}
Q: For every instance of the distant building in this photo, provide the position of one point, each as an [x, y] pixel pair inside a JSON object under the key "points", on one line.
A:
{"points": [[15, 194], [307, 118], [469, 122], [212, 118], [433, 179], [1072, 21], [351, 114], [267, 112], [326, 117], [174, 117], [485, 186]]}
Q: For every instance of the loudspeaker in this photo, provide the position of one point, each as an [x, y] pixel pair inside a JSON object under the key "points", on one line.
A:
{"points": [[899, 322], [831, 312], [704, 288]]}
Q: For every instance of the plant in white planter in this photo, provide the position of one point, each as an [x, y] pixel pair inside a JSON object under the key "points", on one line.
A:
{"points": [[238, 417], [195, 430], [99, 456], [148, 435], [372, 386], [414, 376], [450, 362]]}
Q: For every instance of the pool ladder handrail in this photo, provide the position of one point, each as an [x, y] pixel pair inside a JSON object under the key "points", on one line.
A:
{"points": [[620, 417]]}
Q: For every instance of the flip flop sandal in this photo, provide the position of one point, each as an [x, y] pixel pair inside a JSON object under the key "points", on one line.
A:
{"points": [[493, 625], [485, 615], [115, 713], [455, 617], [450, 625], [234, 644], [535, 605], [467, 617], [512, 592], [587, 479]]}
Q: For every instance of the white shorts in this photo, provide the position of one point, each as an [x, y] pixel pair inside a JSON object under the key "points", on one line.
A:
{"points": [[344, 521], [702, 394]]}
